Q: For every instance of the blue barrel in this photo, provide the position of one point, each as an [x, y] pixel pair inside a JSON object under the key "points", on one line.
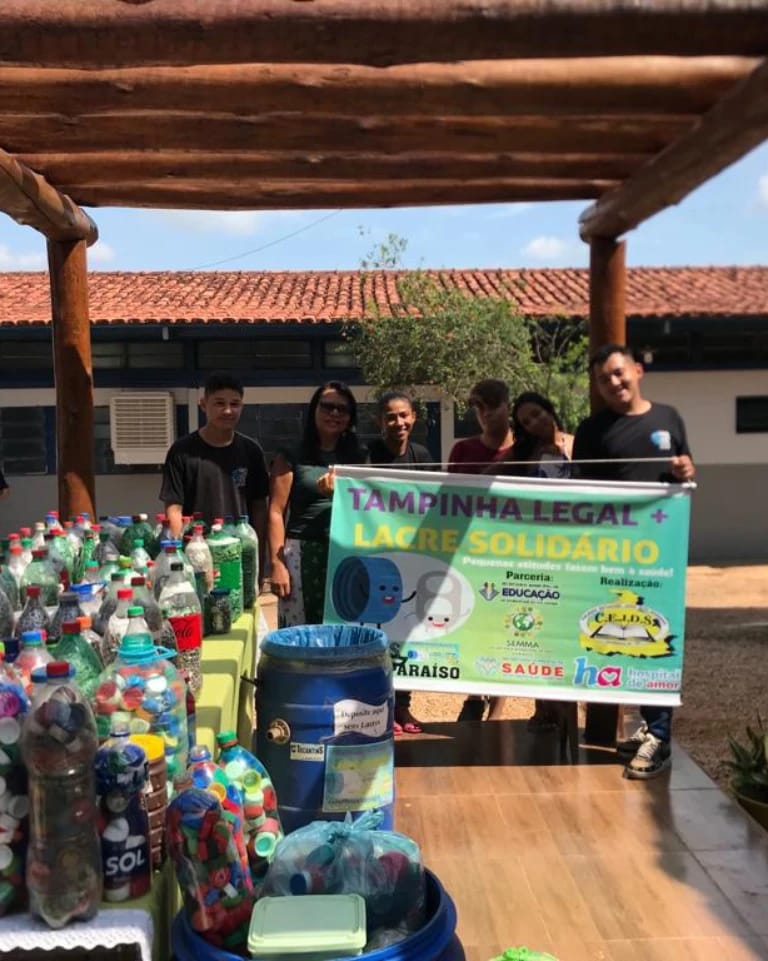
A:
{"points": [[436, 941], [325, 707]]}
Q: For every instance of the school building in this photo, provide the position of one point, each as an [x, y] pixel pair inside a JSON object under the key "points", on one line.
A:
{"points": [[702, 333]]}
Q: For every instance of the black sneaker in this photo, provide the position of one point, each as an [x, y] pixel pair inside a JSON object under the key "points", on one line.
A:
{"points": [[472, 709], [629, 746], [652, 758]]}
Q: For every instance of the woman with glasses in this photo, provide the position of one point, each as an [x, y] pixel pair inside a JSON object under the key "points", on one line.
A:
{"points": [[300, 493]]}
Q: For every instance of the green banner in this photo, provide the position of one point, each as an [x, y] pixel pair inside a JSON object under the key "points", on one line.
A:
{"points": [[561, 588]]}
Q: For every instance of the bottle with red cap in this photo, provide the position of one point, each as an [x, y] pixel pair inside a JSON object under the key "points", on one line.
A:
{"points": [[58, 746], [33, 617], [68, 610]]}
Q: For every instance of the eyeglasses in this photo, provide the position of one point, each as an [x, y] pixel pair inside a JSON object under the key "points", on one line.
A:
{"points": [[330, 408]]}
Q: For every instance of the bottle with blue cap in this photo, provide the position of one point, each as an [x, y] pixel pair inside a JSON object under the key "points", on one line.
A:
{"points": [[121, 773], [32, 654]]}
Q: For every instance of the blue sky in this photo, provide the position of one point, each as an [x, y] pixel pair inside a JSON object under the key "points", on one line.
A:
{"points": [[724, 222]]}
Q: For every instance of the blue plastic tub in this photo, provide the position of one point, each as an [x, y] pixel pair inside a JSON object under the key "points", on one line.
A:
{"points": [[436, 941], [325, 707]]}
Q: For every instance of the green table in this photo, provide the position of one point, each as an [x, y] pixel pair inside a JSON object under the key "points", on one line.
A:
{"points": [[226, 701]]}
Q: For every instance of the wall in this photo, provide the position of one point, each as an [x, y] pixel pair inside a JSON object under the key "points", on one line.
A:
{"points": [[728, 518]]}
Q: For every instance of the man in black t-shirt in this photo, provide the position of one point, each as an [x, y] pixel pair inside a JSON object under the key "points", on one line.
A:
{"points": [[633, 439], [215, 470]]}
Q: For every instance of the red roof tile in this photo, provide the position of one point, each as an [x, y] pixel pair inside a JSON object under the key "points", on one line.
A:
{"points": [[317, 297]]}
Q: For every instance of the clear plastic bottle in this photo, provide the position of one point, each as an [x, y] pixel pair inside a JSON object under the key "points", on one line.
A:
{"points": [[58, 746], [227, 563], [26, 550], [249, 542], [121, 774], [108, 605], [139, 556], [118, 623], [143, 689], [180, 604], [94, 640], [199, 556], [91, 572], [6, 616], [68, 610], [105, 551], [143, 597], [263, 829], [38, 536], [12, 573], [14, 801], [33, 617], [33, 653], [75, 649], [40, 572], [61, 556]]}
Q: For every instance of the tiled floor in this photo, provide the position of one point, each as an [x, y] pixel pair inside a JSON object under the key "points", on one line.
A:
{"points": [[577, 861]]}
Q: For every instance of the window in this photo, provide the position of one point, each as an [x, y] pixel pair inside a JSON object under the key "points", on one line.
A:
{"points": [[156, 354], [254, 354], [26, 355], [23, 442], [337, 354], [274, 426], [751, 415]]}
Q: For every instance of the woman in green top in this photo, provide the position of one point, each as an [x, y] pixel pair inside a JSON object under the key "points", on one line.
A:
{"points": [[300, 503]]}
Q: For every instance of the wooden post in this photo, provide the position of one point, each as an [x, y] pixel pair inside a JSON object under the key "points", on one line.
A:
{"points": [[73, 376], [607, 325]]}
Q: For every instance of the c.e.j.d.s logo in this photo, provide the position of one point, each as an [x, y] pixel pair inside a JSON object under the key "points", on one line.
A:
{"points": [[625, 626]]}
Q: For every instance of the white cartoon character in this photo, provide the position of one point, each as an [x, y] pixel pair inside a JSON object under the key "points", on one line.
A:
{"points": [[439, 605]]}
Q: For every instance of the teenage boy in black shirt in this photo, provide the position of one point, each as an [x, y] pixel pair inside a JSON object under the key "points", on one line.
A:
{"points": [[215, 470], [638, 441]]}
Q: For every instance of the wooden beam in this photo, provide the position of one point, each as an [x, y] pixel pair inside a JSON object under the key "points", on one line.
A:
{"points": [[92, 34], [107, 167], [73, 376], [321, 133], [30, 200], [283, 195], [736, 124], [624, 85], [607, 325]]}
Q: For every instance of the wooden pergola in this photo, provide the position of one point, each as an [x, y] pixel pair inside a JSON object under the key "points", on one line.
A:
{"points": [[255, 104]]}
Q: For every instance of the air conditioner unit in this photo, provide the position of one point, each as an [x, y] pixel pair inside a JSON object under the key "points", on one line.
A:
{"points": [[142, 426]]}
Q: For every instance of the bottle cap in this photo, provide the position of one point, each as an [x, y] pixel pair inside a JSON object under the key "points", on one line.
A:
{"points": [[70, 627], [68, 597], [137, 580], [138, 542], [137, 649], [32, 637], [220, 591], [85, 622], [33, 590], [59, 669], [124, 593], [226, 738], [199, 753], [136, 611], [39, 553]]}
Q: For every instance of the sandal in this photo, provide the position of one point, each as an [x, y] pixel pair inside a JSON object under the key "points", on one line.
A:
{"points": [[397, 729], [411, 727]]}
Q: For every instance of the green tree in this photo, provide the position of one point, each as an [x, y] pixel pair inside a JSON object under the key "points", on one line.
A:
{"points": [[435, 334]]}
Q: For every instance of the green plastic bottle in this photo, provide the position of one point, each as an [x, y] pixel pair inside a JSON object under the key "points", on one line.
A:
{"points": [[227, 552]]}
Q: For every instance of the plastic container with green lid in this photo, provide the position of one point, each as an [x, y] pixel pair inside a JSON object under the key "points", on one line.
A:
{"points": [[318, 928]]}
